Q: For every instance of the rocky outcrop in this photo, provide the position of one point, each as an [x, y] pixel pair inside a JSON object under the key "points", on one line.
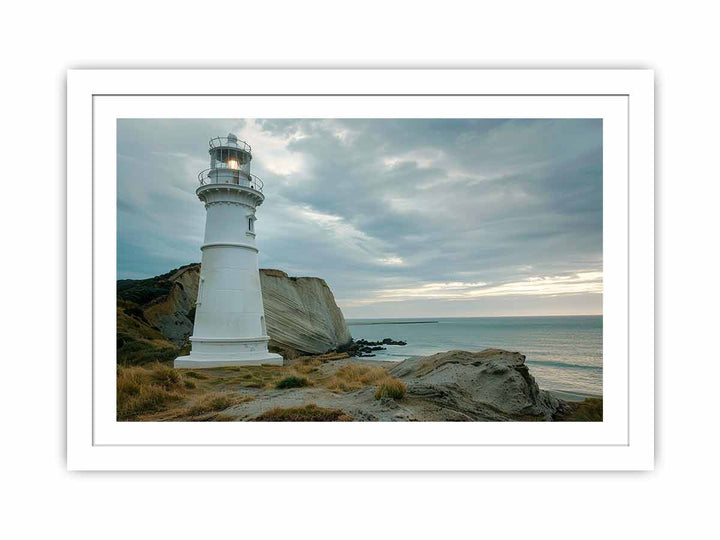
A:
{"points": [[455, 386], [489, 385], [173, 313], [301, 314]]}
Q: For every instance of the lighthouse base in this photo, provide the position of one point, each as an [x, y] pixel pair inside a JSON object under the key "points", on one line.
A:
{"points": [[219, 352], [192, 361]]}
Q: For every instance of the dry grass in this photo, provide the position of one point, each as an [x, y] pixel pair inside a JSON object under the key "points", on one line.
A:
{"points": [[353, 377], [306, 413], [261, 377], [195, 375], [144, 390], [307, 365], [390, 388], [590, 410], [210, 403], [137, 342], [157, 392]]}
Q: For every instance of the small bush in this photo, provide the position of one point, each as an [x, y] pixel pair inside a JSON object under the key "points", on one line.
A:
{"points": [[391, 388], [307, 413], [292, 382]]}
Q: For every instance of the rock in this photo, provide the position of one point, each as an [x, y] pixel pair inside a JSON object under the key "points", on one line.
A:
{"points": [[301, 314], [363, 348], [170, 313], [489, 385], [455, 386]]}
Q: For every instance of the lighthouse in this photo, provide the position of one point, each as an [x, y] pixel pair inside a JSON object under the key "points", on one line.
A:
{"points": [[229, 316]]}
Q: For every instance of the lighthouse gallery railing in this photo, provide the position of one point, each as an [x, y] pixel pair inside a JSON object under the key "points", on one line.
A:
{"points": [[227, 142], [243, 179]]}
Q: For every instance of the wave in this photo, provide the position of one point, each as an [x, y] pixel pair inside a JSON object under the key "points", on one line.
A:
{"points": [[563, 365]]}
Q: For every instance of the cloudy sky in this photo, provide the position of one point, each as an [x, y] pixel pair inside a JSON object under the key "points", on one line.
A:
{"points": [[402, 217]]}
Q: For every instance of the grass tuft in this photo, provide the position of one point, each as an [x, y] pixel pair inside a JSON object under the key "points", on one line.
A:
{"points": [[390, 388], [306, 413], [353, 377], [292, 382], [144, 390], [210, 403]]}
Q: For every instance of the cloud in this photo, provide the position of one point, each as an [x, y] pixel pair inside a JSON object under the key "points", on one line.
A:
{"points": [[580, 283], [443, 214]]}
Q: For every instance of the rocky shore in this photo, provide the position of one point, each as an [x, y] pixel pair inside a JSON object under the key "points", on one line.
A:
{"points": [[325, 376], [363, 348], [488, 386]]}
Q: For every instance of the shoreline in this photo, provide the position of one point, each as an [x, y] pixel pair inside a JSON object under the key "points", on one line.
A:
{"points": [[566, 395], [389, 322], [451, 386]]}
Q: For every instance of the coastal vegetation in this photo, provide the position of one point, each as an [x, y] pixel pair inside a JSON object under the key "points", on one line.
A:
{"points": [[355, 376], [292, 382], [159, 392], [390, 388], [590, 410], [148, 390], [491, 385], [306, 413], [156, 391]]}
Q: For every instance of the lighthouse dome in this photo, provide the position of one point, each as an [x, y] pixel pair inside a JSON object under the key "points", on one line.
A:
{"points": [[232, 137]]}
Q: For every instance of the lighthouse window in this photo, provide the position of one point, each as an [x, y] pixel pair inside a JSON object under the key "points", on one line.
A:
{"points": [[250, 224], [200, 292]]}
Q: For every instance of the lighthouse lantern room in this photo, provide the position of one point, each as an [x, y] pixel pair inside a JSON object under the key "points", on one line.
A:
{"points": [[230, 325]]}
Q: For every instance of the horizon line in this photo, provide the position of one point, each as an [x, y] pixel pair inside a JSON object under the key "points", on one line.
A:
{"points": [[474, 317]]}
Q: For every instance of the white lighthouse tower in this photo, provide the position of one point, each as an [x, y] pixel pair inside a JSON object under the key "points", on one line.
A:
{"points": [[229, 316]]}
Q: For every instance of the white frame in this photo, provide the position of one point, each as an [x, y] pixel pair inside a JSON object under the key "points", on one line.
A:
{"points": [[624, 99]]}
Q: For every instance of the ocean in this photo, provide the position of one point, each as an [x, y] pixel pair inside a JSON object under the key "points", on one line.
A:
{"points": [[563, 353]]}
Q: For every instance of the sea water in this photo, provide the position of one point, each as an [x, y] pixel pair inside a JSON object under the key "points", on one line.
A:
{"points": [[563, 353]]}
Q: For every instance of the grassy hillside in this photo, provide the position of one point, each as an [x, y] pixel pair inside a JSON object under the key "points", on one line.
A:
{"points": [[138, 340]]}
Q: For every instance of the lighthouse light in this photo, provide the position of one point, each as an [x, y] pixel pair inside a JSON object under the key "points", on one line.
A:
{"points": [[233, 164]]}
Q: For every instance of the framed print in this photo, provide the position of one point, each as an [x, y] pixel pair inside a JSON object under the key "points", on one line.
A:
{"points": [[360, 270]]}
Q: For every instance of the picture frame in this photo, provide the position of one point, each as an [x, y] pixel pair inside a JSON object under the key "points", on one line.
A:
{"points": [[622, 98]]}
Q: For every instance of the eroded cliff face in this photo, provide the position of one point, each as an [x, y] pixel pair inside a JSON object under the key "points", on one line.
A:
{"points": [[173, 314], [301, 314]]}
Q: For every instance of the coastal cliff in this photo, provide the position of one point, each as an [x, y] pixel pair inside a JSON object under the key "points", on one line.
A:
{"points": [[301, 314], [157, 314]]}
